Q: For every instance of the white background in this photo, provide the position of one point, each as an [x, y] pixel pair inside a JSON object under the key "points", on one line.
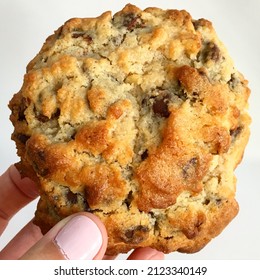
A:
{"points": [[24, 26]]}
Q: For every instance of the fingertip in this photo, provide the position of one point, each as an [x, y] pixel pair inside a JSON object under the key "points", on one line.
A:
{"points": [[15, 193], [81, 236], [103, 231], [25, 185]]}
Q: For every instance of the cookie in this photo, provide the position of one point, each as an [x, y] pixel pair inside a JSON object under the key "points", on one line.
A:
{"points": [[140, 118]]}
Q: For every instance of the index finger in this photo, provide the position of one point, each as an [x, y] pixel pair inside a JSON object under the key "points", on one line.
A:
{"points": [[15, 193]]}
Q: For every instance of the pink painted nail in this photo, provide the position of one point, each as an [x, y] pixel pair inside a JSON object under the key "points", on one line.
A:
{"points": [[79, 239]]}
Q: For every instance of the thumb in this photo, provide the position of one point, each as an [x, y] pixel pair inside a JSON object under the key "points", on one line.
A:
{"points": [[81, 236]]}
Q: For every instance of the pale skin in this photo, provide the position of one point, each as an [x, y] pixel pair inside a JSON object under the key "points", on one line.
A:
{"points": [[29, 243]]}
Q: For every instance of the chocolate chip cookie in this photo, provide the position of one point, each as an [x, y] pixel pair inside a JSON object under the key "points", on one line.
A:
{"points": [[140, 118]]}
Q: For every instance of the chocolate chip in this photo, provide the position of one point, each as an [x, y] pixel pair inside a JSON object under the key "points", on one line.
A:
{"points": [[73, 136], [42, 118], [198, 23], [235, 132], [136, 234], [203, 73], [82, 34], [218, 201], [72, 197], [56, 114], [86, 206], [88, 39], [160, 98], [129, 199], [23, 106], [168, 237], [129, 233], [132, 21], [144, 155], [39, 163], [145, 102], [22, 137], [194, 97], [211, 52], [206, 201], [37, 154], [160, 107], [233, 82]]}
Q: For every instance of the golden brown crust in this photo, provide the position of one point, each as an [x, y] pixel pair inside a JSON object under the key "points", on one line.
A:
{"points": [[139, 118]]}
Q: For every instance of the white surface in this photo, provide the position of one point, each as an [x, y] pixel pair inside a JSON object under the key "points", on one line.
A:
{"points": [[24, 25]]}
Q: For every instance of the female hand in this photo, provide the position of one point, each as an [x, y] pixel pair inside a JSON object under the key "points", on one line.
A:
{"points": [[79, 236]]}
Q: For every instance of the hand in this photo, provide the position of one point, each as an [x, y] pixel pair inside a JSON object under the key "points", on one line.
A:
{"points": [[79, 236]]}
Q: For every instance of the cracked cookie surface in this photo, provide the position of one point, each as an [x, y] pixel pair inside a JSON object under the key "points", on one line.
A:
{"points": [[140, 118]]}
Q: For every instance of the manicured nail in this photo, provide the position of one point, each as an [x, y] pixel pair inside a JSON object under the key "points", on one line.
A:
{"points": [[79, 239]]}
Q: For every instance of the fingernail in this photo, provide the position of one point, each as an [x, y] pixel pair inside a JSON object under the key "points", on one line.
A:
{"points": [[79, 239]]}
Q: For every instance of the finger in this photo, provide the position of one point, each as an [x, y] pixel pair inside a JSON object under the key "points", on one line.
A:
{"points": [[81, 236], [146, 253], [22, 242], [15, 193]]}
